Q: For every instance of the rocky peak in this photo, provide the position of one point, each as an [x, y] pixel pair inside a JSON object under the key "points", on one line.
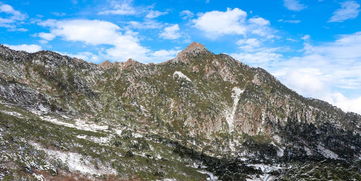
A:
{"points": [[194, 45], [192, 50], [106, 64], [130, 62], [12, 55]]}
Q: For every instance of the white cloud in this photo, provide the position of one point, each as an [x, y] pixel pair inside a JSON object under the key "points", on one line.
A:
{"points": [[253, 51], [306, 37], [293, 21], [171, 32], [330, 71], [17, 15], [348, 10], [260, 26], [84, 56], [118, 7], [348, 104], [46, 36], [13, 17], [307, 81], [164, 54], [259, 57], [259, 21], [147, 24], [93, 32], [123, 44], [186, 14], [293, 5], [221, 23], [231, 22], [154, 14], [31, 48], [249, 44]]}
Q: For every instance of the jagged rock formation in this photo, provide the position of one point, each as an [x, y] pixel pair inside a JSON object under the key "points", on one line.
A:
{"points": [[197, 116]]}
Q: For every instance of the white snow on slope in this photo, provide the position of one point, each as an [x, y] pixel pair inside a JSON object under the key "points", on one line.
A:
{"points": [[236, 94], [266, 169], [18, 115], [99, 140], [211, 176], [181, 75], [79, 124], [76, 162], [326, 152], [38, 177]]}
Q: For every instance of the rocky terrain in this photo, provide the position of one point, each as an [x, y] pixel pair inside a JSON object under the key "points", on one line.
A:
{"points": [[199, 116]]}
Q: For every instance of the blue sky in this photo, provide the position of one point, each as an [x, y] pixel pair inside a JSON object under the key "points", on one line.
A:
{"points": [[312, 46]]}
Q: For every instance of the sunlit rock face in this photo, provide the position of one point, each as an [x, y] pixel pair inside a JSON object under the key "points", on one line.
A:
{"points": [[197, 116]]}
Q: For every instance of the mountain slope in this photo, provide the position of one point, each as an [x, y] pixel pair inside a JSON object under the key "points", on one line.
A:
{"points": [[192, 117]]}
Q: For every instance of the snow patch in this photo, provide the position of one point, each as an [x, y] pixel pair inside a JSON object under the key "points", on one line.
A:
{"points": [[211, 176], [79, 124], [326, 152], [43, 109], [137, 135], [18, 115], [76, 162], [181, 75], [308, 151], [39, 177], [266, 169], [280, 150], [99, 140], [236, 94]]}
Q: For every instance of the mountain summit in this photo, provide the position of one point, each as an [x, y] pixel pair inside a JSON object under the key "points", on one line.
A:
{"points": [[191, 50], [194, 46], [199, 116]]}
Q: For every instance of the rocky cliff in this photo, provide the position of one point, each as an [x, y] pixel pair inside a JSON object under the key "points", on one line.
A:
{"points": [[198, 116]]}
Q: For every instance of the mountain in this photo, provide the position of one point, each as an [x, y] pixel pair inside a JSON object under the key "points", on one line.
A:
{"points": [[199, 116]]}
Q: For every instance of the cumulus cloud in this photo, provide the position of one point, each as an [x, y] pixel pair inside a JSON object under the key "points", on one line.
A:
{"points": [[345, 103], [171, 32], [164, 54], [293, 5], [46, 36], [92, 32], [258, 57], [249, 44], [31, 48], [231, 22], [330, 71], [348, 10], [12, 18], [218, 23], [122, 44]]}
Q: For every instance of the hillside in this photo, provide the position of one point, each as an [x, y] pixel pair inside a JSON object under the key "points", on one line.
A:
{"points": [[195, 117]]}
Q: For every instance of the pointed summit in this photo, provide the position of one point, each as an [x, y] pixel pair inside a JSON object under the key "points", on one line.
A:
{"points": [[194, 45], [106, 64], [130, 62], [192, 50]]}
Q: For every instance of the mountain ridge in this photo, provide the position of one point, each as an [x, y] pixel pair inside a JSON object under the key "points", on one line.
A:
{"points": [[198, 108]]}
